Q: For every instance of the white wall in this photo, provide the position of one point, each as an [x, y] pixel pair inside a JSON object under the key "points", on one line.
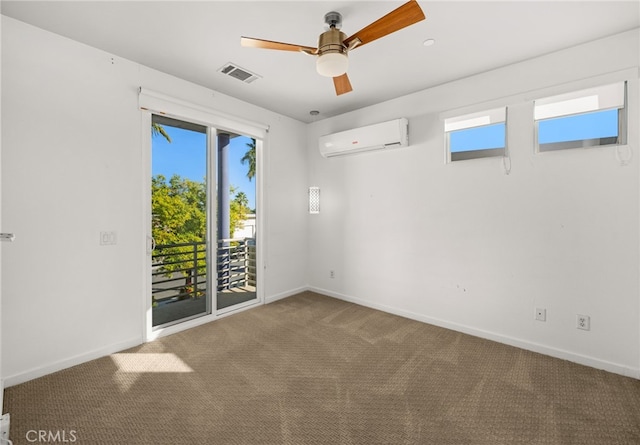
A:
{"points": [[464, 245], [461, 245], [73, 165]]}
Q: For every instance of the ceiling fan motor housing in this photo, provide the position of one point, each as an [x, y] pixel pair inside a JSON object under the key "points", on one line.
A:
{"points": [[332, 58], [331, 42]]}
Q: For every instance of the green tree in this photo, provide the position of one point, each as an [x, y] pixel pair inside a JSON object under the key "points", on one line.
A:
{"points": [[178, 210], [250, 158], [178, 217], [238, 209], [158, 130]]}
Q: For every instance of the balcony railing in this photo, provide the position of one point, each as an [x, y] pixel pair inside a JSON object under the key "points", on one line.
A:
{"points": [[179, 271]]}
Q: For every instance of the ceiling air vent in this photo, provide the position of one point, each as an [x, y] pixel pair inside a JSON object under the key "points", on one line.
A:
{"points": [[233, 70]]}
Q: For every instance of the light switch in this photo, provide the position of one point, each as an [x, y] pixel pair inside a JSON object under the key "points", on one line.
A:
{"points": [[108, 238]]}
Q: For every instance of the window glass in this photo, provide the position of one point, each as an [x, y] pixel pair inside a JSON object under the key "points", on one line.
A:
{"points": [[478, 138], [600, 124], [584, 118], [477, 135]]}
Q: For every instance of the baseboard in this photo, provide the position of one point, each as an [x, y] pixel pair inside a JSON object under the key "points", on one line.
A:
{"points": [[35, 373], [16, 379], [511, 341], [289, 293]]}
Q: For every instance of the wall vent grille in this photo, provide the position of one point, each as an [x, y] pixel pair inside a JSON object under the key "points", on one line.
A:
{"points": [[233, 70]]}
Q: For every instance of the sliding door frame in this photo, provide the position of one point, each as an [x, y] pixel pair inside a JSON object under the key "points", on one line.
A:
{"points": [[156, 103]]}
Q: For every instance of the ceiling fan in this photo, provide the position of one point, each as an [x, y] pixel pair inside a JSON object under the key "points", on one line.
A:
{"points": [[334, 46]]}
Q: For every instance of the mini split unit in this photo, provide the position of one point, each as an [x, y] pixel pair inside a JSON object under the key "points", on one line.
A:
{"points": [[391, 134]]}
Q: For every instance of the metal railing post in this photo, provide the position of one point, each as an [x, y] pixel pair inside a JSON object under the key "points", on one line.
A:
{"points": [[195, 270], [246, 262]]}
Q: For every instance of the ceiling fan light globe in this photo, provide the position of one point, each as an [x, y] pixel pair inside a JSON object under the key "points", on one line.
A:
{"points": [[332, 64]]}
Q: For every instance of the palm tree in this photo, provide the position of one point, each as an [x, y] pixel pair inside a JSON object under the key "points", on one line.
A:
{"points": [[250, 158], [157, 129]]}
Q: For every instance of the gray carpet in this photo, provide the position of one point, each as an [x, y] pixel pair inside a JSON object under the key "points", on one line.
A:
{"points": [[311, 369]]}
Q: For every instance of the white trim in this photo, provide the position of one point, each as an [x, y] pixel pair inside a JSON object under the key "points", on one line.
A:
{"points": [[147, 318], [183, 326], [289, 293], [41, 371], [212, 220], [628, 75], [479, 119], [511, 341], [261, 219], [119, 347], [156, 103], [531, 95], [179, 327], [1, 380], [600, 98], [166, 105]]}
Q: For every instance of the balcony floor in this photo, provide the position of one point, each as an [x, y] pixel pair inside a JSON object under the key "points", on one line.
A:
{"points": [[236, 295], [167, 312]]}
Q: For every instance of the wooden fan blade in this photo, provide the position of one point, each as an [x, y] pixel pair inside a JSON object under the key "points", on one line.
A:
{"points": [[399, 18], [342, 84], [268, 44]]}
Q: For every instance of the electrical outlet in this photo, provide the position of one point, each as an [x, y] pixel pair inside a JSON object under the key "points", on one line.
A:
{"points": [[5, 421], [583, 322], [541, 314], [332, 274]]}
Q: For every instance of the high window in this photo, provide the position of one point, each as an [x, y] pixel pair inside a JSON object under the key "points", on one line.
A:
{"points": [[585, 118], [476, 135]]}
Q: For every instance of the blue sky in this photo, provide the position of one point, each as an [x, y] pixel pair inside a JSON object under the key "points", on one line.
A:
{"points": [[599, 124], [186, 156], [477, 138]]}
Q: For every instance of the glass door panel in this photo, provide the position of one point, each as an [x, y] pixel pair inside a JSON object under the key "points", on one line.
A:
{"points": [[179, 224], [236, 221]]}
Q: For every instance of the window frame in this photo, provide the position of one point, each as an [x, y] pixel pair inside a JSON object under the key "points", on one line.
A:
{"points": [[620, 139], [463, 122]]}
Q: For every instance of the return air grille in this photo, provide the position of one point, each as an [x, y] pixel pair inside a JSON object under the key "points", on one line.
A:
{"points": [[233, 70]]}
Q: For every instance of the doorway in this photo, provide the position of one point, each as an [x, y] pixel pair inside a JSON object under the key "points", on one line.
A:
{"points": [[203, 221]]}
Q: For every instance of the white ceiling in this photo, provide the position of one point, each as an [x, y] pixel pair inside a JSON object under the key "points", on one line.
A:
{"points": [[193, 40]]}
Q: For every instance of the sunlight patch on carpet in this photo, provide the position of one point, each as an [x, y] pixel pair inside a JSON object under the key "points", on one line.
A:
{"points": [[151, 362]]}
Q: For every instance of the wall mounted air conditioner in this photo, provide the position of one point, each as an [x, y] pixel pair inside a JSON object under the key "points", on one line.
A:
{"points": [[384, 135]]}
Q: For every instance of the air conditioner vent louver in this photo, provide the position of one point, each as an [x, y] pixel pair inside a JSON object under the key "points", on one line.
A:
{"points": [[233, 70], [227, 69]]}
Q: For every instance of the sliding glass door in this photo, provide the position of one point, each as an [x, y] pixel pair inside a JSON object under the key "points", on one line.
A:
{"points": [[203, 221]]}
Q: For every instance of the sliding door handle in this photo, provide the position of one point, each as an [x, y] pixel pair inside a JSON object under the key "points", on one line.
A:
{"points": [[151, 245]]}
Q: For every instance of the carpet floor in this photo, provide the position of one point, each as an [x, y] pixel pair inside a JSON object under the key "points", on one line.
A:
{"points": [[310, 369]]}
